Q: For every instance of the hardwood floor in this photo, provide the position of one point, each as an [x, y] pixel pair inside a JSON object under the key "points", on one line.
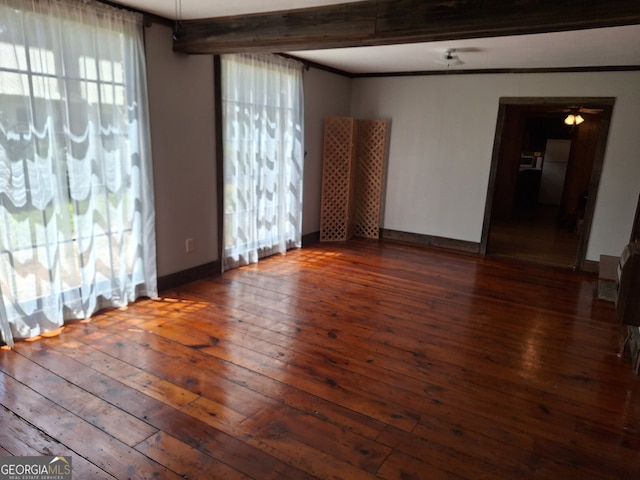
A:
{"points": [[353, 360], [534, 236]]}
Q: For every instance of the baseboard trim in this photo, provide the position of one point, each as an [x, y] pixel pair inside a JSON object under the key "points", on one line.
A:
{"points": [[177, 279], [590, 266], [310, 239], [429, 241]]}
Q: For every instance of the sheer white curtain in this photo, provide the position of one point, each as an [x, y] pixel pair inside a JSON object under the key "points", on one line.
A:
{"points": [[77, 226], [263, 156]]}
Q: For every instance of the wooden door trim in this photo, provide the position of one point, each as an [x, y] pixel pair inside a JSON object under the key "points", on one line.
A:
{"points": [[551, 103]]}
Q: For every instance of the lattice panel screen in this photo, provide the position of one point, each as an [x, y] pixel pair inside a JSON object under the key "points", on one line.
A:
{"points": [[371, 152], [337, 174], [352, 178]]}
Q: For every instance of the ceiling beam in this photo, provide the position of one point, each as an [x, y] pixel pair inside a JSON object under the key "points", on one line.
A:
{"points": [[385, 22]]}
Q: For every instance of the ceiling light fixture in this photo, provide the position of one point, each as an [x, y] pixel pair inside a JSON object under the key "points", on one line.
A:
{"points": [[573, 120], [449, 59]]}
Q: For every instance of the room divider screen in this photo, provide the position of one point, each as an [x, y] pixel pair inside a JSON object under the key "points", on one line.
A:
{"points": [[353, 171]]}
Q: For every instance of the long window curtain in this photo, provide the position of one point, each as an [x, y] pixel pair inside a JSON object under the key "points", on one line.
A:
{"points": [[263, 156], [76, 199]]}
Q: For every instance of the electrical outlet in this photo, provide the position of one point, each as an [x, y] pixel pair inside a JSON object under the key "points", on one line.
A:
{"points": [[188, 245]]}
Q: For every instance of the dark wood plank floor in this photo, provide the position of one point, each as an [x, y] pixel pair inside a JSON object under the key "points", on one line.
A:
{"points": [[338, 361], [534, 235]]}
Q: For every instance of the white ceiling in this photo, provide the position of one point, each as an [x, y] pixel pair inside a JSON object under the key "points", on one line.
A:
{"points": [[601, 47], [619, 46]]}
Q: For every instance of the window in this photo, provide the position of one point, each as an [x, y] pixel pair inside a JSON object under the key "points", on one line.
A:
{"points": [[263, 156], [76, 199]]}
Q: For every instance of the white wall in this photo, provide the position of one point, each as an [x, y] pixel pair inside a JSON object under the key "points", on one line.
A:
{"points": [[326, 94], [442, 134], [183, 146]]}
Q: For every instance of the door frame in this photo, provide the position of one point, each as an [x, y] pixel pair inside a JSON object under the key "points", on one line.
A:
{"points": [[553, 103]]}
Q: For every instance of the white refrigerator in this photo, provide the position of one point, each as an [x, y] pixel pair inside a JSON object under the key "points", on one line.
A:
{"points": [[554, 169]]}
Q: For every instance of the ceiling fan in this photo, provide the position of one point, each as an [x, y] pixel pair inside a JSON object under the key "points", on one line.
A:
{"points": [[574, 114], [449, 59], [576, 109]]}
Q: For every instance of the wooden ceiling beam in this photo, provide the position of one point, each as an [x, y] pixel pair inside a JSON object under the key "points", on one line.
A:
{"points": [[385, 22]]}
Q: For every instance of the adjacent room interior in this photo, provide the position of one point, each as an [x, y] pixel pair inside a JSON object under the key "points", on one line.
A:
{"points": [[545, 177]]}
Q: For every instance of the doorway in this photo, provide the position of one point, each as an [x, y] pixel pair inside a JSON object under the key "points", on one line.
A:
{"points": [[544, 179]]}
